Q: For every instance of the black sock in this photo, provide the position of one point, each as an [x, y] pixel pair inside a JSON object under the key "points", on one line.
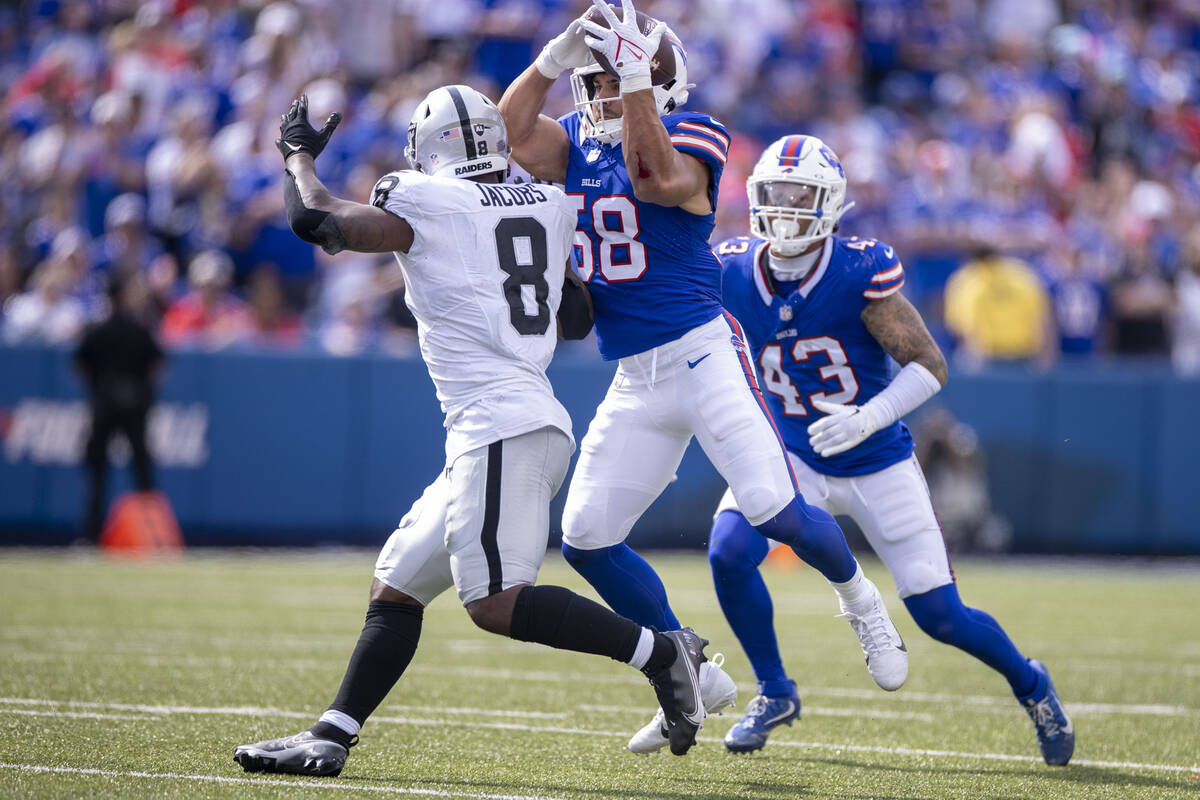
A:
{"points": [[327, 730], [661, 656], [385, 646], [560, 618]]}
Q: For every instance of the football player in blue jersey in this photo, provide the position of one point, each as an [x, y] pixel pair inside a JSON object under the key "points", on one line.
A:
{"points": [[824, 321], [644, 175]]}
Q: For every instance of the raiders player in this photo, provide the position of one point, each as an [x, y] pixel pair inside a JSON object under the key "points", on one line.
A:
{"points": [[485, 270]]}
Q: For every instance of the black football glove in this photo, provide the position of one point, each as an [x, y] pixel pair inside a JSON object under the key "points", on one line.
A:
{"points": [[296, 135]]}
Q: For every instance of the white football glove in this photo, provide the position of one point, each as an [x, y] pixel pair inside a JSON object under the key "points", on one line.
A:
{"points": [[627, 49], [844, 427], [566, 51]]}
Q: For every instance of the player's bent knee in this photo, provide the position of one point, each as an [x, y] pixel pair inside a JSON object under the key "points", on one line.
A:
{"points": [[579, 558], [761, 504], [735, 547], [920, 577], [939, 613], [494, 612], [381, 591]]}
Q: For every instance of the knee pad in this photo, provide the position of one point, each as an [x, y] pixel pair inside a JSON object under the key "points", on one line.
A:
{"points": [[762, 503], [734, 545]]}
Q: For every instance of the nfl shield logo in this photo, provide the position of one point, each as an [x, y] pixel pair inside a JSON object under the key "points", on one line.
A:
{"points": [[593, 155], [785, 313]]}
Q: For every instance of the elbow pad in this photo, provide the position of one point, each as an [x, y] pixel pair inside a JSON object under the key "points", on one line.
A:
{"points": [[575, 312], [311, 224]]}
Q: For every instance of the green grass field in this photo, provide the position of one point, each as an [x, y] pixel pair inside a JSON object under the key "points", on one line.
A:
{"points": [[137, 679]]}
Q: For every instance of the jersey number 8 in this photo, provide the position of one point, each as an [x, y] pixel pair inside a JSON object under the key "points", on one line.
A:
{"points": [[521, 253]]}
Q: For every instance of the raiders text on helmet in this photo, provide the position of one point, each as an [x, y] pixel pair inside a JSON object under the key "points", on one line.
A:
{"points": [[457, 131]]}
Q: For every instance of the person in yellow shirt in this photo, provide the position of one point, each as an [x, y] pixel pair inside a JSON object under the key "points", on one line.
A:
{"points": [[998, 308]]}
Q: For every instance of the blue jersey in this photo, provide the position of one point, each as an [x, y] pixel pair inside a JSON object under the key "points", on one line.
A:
{"points": [[812, 344], [650, 271]]}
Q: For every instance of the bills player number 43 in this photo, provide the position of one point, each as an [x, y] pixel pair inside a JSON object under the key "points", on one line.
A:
{"points": [[777, 382]]}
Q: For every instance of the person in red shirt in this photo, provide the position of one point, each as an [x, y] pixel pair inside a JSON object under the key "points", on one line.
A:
{"points": [[209, 315]]}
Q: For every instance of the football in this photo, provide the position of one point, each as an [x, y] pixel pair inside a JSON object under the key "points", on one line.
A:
{"points": [[662, 65]]}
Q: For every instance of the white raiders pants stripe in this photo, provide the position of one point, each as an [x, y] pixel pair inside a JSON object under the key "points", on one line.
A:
{"points": [[482, 526], [699, 385], [893, 508]]}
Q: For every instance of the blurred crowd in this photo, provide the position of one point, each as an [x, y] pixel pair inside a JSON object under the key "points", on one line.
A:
{"points": [[1036, 163]]}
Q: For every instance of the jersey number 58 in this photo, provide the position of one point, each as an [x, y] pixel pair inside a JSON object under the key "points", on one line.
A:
{"points": [[615, 222]]}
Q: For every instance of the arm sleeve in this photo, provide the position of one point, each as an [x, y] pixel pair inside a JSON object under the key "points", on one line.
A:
{"points": [[911, 387]]}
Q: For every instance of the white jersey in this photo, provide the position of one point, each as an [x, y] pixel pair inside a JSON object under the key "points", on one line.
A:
{"points": [[484, 280]]}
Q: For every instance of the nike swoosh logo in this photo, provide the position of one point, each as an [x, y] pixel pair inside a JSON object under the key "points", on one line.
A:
{"points": [[693, 364], [889, 252], [791, 707], [295, 148]]}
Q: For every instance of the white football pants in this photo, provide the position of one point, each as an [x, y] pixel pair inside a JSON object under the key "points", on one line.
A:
{"points": [[893, 509], [482, 526], [701, 385]]}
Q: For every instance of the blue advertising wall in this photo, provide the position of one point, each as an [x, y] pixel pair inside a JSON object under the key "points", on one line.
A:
{"points": [[306, 449]]}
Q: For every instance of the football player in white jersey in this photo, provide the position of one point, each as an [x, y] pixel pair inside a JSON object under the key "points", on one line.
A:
{"points": [[485, 269]]}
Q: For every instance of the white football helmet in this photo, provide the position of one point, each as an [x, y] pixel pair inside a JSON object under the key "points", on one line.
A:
{"points": [[667, 97], [797, 191], [457, 132]]}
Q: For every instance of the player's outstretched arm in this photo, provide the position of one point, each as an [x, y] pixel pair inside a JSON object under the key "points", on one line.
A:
{"points": [[659, 173], [314, 214], [901, 332], [575, 313]]}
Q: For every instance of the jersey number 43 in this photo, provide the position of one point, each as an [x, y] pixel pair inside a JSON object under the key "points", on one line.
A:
{"points": [[777, 381]]}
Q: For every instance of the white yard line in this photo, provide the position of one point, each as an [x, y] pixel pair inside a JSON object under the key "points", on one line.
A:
{"points": [[323, 786], [554, 729], [30, 712], [874, 713]]}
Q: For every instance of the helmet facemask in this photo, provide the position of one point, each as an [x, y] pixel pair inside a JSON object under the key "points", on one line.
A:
{"points": [[797, 194], [668, 96], [596, 124], [790, 214]]}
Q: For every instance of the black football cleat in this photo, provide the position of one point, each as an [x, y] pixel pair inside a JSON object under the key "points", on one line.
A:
{"points": [[678, 690], [303, 753]]}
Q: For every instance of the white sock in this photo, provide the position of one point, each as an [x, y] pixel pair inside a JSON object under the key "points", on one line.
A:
{"points": [[855, 593], [645, 646], [340, 719]]}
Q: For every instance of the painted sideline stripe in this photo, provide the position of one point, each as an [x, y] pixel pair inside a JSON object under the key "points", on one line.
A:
{"points": [[293, 783], [829, 746]]}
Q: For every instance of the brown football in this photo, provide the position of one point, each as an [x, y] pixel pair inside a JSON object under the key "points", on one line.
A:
{"points": [[662, 64]]}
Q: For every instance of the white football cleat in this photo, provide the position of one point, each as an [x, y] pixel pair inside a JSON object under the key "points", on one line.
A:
{"points": [[717, 690], [887, 657]]}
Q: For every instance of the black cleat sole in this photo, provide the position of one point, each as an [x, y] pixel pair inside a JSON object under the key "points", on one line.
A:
{"points": [[265, 764]]}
